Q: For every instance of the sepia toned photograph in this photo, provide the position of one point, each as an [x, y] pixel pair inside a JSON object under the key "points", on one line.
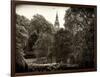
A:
{"points": [[54, 38]]}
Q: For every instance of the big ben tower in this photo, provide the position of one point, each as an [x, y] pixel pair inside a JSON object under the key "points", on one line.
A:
{"points": [[56, 24]]}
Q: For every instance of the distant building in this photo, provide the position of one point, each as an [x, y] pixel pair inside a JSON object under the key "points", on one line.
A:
{"points": [[56, 24]]}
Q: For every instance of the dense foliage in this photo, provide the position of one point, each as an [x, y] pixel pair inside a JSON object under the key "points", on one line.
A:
{"points": [[72, 46], [80, 22]]}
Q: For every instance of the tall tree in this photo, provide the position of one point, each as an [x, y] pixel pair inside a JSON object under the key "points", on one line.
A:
{"points": [[80, 22], [62, 45], [40, 35], [22, 24]]}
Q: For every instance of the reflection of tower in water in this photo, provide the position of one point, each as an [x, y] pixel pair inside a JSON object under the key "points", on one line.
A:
{"points": [[56, 24]]}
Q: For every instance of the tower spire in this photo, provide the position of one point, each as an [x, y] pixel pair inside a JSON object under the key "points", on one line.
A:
{"points": [[57, 16], [56, 24]]}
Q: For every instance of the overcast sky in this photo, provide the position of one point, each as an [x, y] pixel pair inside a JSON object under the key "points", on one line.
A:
{"points": [[49, 12]]}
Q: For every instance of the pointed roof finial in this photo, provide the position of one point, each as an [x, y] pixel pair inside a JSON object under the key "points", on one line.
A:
{"points": [[57, 20], [56, 15]]}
